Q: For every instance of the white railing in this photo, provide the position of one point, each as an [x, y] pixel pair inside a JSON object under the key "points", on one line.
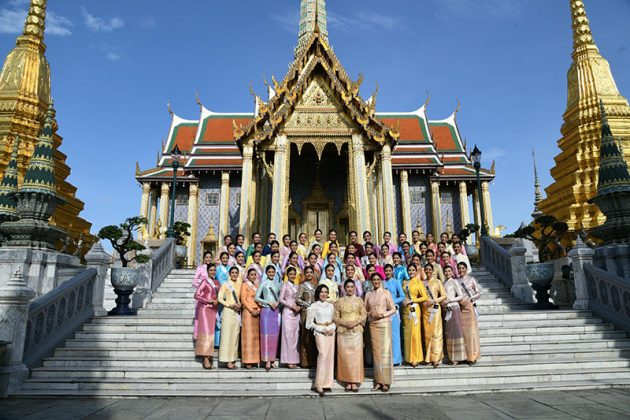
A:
{"points": [[162, 262], [496, 260], [608, 296], [55, 316]]}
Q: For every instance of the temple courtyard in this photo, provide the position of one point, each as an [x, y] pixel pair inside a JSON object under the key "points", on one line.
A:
{"points": [[577, 404]]}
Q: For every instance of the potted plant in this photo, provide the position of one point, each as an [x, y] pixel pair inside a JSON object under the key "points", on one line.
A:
{"points": [[469, 229], [125, 279], [181, 232], [547, 233]]}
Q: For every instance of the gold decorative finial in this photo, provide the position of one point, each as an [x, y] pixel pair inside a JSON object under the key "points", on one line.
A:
{"points": [[459, 107], [428, 101], [169, 109], [36, 20], [197, 99], [138, 168], [582, 35]]}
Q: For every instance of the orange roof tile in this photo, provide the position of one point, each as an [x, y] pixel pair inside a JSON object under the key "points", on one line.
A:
{"points": [[221, 129], [410, 128], [185, 136], [443, 137]]}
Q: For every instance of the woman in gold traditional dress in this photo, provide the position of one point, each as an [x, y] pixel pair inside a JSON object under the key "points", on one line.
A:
{"points": [[432, 318], [350, 317], [470, 325], [415, 294]]}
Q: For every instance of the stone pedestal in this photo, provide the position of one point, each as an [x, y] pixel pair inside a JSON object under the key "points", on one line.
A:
{"points": [[521, 288], [15, 296], [580, 256], [98, 259], [39, 268]]}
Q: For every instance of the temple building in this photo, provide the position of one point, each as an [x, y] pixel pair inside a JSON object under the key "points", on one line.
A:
{"points": [[314, 154], [25, 97], [576, 168]]}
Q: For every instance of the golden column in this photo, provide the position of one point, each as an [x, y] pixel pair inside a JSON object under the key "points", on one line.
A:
{"points": [[164, 199], [153, 212], [463, 203], [361, 185], [436, 207], [279, 210], [389, 199], [487, 206], [224, 212], [577, 166], [193, 208], [144, 209], [380, 218], [405, 202], [246, 180]]}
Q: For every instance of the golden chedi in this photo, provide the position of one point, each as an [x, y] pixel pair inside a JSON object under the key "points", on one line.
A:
{"points": [[577, 166], [25, 96]]}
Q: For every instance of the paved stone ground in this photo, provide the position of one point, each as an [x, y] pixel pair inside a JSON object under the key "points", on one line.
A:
{"points": [[600, 405]]}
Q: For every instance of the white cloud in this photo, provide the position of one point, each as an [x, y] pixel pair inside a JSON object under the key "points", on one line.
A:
{"points": [[495, 9], [357, 22], [148, 22], [13, 15], [111, 52], [99, 24], [493, 153]]}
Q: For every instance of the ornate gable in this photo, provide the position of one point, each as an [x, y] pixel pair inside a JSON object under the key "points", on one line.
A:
{"points": [[316, 96]]}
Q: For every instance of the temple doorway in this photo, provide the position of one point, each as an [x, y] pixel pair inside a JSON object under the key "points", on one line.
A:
{"points": [[318, 191]]}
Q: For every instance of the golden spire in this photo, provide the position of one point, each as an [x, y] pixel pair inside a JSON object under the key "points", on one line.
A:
{"points": [[582, 35], [36, 20], [313, 19]]}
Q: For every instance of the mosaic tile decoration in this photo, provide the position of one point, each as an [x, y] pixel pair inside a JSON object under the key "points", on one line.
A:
{"points": [[208, 183], [421, 211], [235, 202]]}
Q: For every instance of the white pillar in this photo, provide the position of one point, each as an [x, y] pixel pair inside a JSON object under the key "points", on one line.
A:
{"points": [[362, 198], [144, 210], [436, 204], [477, 214], [487, 206], [246, 179], [405, 199], [193, 207], [153, 212], [280, 187], [463, 203], [164, 204], [389, 198], [224, 202]]}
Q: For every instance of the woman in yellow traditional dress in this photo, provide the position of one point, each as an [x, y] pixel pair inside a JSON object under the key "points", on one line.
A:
{"points": [[229, 297], [415, 294], [432, 318]]}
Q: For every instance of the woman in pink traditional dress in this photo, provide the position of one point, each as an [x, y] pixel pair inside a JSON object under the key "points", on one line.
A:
{"points": [[206, 316], [202, 271], [290, 349]]}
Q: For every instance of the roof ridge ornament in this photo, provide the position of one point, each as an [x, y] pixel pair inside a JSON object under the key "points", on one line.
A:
{"points": [[428, 100]]}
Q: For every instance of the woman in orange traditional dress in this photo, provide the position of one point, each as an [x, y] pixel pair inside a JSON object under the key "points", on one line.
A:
{"points": [[250, 333]]}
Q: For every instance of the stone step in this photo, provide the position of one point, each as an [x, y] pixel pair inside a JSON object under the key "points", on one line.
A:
{"points": [[551, 333], [337, 391], [467, 379], [304, 374], [183, 349], [170, 362]]}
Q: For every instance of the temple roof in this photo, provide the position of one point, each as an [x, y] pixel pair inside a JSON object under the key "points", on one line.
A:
{"points": [[208, 144]]}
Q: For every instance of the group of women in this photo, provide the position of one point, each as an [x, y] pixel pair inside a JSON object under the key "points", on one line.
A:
{"points": [[307, 302]]}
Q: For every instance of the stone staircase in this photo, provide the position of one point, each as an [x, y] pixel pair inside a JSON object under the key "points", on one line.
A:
{"points": [[152, 355]]}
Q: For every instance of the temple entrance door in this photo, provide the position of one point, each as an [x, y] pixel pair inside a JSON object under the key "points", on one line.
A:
{"points": [[317, 218]]}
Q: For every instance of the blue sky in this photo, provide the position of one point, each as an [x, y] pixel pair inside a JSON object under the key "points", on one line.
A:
{"points": [[116, 64]]}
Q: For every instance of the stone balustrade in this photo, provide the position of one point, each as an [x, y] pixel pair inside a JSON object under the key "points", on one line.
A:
{"points": [[509, 266], [153, 273], [54, 317]]}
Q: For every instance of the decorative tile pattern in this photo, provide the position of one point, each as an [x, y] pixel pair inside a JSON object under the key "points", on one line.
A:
{"points": [[446, 208], [420, 208], [235, 202], [210, 183]]}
